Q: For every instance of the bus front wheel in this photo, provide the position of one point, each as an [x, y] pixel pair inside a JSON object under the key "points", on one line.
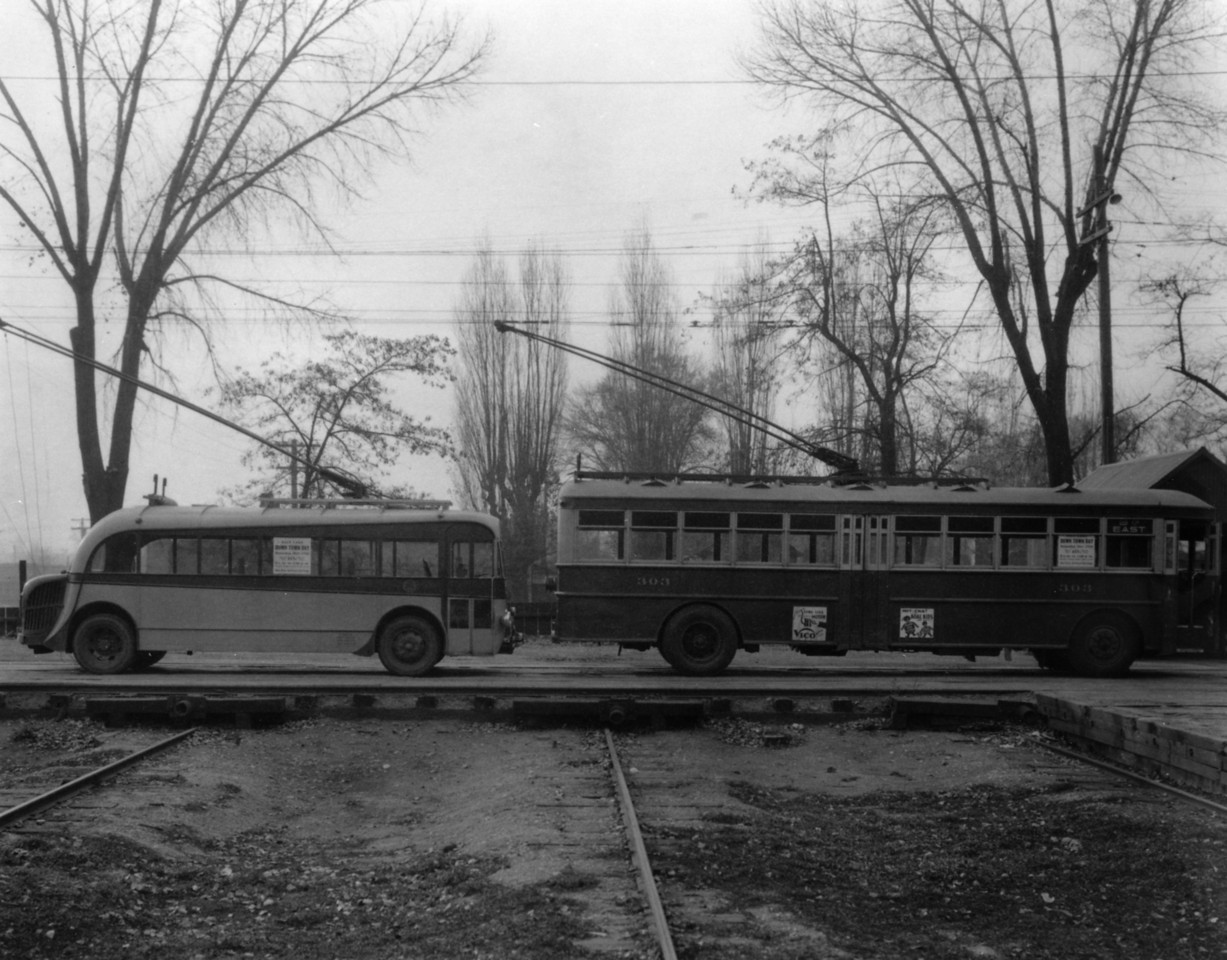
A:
{"points": [[699, 641], [409, 646], [104, 643], [1054, 660], [1104, 645]]}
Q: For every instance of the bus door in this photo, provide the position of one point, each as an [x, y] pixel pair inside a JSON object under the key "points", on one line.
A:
{"points": [[862, 580], [1197, 584]]}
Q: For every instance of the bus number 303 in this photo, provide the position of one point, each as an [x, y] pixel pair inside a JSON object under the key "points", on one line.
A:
{"points": [[653, 582]]}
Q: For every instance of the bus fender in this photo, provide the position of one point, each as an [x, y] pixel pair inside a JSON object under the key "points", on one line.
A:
{"points": [[370, 648], [682, 608], [99, 607]]}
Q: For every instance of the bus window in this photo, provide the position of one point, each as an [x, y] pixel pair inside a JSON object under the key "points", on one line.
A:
{"points": [[117, 554], [600, 535], [410, 558], [811, 540], [215, 557], [852, 532], [157, 556], [1024, 541], [357, 558], [760, 537], [918, 541], [458, 613], [483, 613], [705, 537], [969, 542], [652, 534], [1076, 543], [1129, 544], [245, 558], [473, 559], [187, 556], [483, 558], [325, 558]]}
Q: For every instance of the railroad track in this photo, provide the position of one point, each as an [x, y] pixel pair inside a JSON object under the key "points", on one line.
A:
{"points": [[42, 793], [666, 811], [627, 812]]}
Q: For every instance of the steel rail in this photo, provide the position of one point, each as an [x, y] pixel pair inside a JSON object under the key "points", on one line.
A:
{"points": [[1157, 784], [640, 853], [65, 790]]}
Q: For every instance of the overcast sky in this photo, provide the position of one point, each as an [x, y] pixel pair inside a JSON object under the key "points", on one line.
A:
{"points": [[591, 118]]}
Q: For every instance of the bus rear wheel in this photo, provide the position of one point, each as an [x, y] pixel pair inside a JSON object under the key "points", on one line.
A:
{"points": [[147, 658], [104, 643], [409, 646], [1104, 645], [699, 641]]}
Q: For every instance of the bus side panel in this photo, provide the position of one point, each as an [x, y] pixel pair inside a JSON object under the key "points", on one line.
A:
{"points": [[769, 605], [312, 620], [929, 610]]}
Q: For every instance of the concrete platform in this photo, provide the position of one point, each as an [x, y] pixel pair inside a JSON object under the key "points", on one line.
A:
{"points": [[1167, 717]]}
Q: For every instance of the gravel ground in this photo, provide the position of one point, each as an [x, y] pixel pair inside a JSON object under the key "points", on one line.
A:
{"points": [[449, 838]]}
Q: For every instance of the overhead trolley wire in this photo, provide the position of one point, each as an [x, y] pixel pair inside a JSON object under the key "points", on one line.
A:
{"points": [[340, 478]]}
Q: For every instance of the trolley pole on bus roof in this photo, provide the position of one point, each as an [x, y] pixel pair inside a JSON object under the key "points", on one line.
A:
{"points": [[841, 463], [337, 476]]}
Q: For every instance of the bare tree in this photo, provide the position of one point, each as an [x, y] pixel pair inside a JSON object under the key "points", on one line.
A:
{"points": [[1022, 151], [1203, 370], [857, 298], [748, 327], [337, 412], [625, 424], [510, 395], [180, 121]]}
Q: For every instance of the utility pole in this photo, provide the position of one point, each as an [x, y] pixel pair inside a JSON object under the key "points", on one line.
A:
{"points": [[1103, 195]]}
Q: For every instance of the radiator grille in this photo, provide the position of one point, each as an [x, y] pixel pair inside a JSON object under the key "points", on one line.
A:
{"points": [[41, 609]]}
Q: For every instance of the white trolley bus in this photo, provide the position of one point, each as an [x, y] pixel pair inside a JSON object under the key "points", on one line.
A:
{"points": [[410, 581]]}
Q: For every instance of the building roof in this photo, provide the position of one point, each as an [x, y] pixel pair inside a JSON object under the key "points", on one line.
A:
{"points": [[1145, 473]]}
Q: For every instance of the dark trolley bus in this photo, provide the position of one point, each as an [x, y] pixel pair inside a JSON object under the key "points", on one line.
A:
{"points": [[1086, 581]]}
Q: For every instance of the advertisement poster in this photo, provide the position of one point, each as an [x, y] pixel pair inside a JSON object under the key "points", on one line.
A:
{"points": [[915, 623], [1075, 551], [809, 624], [292, 556]]}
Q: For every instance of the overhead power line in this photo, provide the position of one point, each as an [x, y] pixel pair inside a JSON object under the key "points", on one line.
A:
{"points": [[624, 82]]}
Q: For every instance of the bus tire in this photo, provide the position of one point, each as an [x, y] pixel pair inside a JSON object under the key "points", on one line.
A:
{"points": [[699, 641], [147, 658], [1054, 660], [409, 646], [1103, 645], [104, 643]]}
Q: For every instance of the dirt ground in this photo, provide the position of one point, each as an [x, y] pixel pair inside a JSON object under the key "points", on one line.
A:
{"points": [[451, 838]]}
